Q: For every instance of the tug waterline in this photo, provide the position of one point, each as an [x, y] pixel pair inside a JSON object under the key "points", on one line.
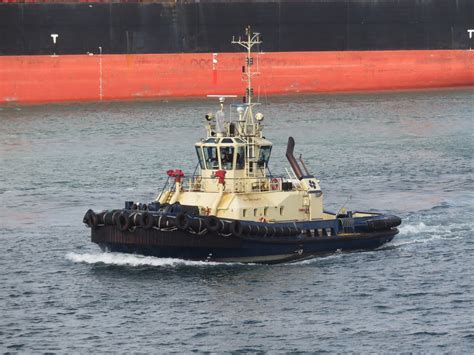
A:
{"points": [[233, 209]]}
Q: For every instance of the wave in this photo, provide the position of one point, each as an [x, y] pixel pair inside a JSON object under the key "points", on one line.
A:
{"points": [[400, 243], [413, 229], [319, 258], [134, 260], [422, 233], [444, 229]]}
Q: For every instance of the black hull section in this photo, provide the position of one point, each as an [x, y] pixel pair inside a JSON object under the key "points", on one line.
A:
{"points": [[217, 247], [206, 26]]}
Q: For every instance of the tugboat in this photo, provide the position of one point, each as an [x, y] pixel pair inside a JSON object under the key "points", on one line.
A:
{"points": [[232, 209]]}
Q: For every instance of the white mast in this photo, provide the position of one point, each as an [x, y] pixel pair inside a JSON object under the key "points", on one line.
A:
{"points": [[251, 40]]}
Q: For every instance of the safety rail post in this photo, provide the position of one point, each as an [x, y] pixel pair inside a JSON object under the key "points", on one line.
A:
{"points": [[163, 188]]}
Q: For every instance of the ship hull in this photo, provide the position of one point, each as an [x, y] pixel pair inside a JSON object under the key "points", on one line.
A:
{"points": [[36, 79], [110, 50], [215, 247]]}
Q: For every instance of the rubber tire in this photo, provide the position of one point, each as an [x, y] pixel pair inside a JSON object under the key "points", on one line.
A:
{"points": [[101, 217], [236, 228], [246, 229], [271, 231], [146, 220], [212, 223], [108, 218], [182, 221], [123, 221], [165, 221], [276, 231], [134, 218], [91, 219], [225, 226]]}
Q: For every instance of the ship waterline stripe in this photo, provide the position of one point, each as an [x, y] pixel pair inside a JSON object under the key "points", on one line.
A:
{"points": [[36, 79]]}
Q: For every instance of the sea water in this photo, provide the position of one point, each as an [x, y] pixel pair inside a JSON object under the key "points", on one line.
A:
{"points": [[410, 154]]}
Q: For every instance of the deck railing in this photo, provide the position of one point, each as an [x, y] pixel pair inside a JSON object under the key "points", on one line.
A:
{"points": [[236, 185]]}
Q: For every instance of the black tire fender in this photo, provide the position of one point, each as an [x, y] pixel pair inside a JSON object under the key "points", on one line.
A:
{"points": [[261, 230], [271, 231], [101, 217], [295, 231], [225, 226], [281, 232], [246, 229], [134, 219], [165, 221], [108, 218], [212, 223], [91, 219], [123, 221], [146, 220], [236, 228], [182, 221]]}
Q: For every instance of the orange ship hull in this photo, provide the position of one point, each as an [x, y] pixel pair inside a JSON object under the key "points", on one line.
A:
{"points": [[37, 79]]}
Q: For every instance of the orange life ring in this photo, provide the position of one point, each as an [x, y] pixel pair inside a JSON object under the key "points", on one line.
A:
{"points": [[263, 220]]}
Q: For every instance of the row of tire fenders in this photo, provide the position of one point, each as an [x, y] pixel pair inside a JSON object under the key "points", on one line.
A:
{"points": [[129, 221]]}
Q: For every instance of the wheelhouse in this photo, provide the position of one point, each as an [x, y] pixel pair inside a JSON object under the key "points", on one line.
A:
{"points": [[233, 155], [221, 154]]}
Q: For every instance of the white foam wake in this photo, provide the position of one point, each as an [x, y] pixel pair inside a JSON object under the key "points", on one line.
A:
{"points": [[414, 228], [135, 260], [445, 230], [422, 233]]}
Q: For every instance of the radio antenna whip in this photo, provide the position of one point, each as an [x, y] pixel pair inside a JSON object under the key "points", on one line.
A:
{"points": [[343, 205]]}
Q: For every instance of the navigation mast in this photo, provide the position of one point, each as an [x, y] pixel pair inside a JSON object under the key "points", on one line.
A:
{"points": [[252, 40], [250, 128]]}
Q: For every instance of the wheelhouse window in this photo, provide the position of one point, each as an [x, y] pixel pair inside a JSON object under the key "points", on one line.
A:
{"points": [[240, 158], [210, 156], [200, 157], [264, 156], [227, 157]]}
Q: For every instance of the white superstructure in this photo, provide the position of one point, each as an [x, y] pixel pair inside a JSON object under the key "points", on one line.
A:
{"points": [[233, 180]]}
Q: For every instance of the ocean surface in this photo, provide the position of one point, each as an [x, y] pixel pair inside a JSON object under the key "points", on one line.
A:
{"points": [[408, 153]]}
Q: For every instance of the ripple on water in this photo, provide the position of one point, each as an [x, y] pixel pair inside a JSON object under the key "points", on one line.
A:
{"points": [[409, 153]]}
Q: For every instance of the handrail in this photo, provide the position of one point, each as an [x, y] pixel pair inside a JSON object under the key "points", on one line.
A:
{"points": [[259, 184], [163, 188]]}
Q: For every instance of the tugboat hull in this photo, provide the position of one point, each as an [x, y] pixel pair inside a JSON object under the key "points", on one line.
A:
{"points": [[220, 248]]}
